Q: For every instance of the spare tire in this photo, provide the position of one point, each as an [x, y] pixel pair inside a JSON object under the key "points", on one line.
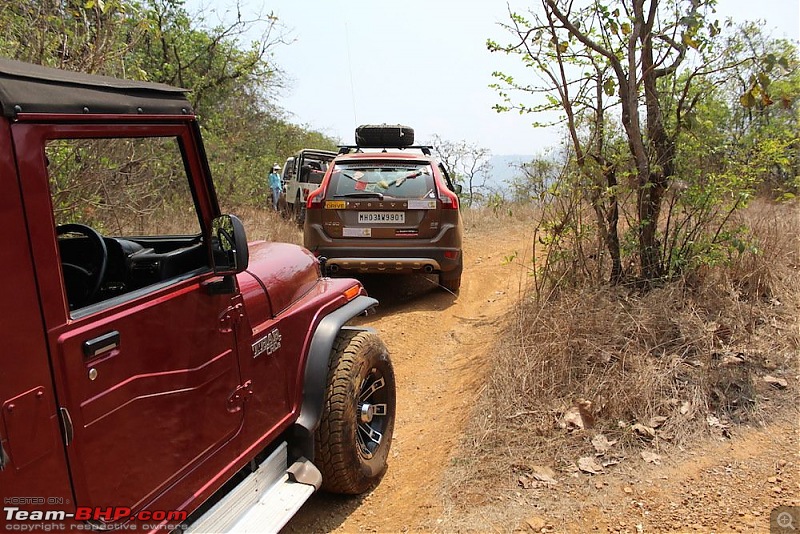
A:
{"points": [[384, 135]]}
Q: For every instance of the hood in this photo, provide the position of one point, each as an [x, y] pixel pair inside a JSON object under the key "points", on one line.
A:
{"points": [[278, 275]]}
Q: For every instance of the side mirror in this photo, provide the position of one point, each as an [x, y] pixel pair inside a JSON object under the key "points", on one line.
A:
{"points": [[457, 189], [229, 245]]}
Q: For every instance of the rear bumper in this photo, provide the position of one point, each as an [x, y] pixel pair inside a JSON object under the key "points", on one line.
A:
{"points": [[358, 255], [391, 260]]}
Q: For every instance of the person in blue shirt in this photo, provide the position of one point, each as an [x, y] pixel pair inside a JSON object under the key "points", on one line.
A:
{"points": [[275, 185]]}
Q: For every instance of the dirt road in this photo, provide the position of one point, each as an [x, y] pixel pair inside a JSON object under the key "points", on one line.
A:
{"points": [[438, 344]]}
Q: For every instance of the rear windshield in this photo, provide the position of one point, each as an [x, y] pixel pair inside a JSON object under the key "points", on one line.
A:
{"points": [[313, 170], [382, 179]]}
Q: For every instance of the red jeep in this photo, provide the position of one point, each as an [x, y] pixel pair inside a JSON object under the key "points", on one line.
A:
{"points": [[157, 371]]}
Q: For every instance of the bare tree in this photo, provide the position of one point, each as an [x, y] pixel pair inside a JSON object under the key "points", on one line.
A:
{"points": [[466, 162]]}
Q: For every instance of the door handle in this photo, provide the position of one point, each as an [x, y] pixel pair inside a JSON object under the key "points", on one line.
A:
{"points": [[100, 344]]}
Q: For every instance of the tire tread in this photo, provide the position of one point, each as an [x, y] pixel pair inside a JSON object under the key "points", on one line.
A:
{"points": [[333, 448]]}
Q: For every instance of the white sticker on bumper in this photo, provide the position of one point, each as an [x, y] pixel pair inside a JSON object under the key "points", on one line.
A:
{"points": [[421, 204], [356, 232]]}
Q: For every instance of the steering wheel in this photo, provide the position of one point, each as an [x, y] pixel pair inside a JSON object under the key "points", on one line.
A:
{"points": [[83, 283]]}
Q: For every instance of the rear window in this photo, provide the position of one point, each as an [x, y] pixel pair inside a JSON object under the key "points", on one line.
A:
{"points": [[382, 179]]}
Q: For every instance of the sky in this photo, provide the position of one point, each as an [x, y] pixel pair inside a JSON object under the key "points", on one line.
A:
{"points": [[422, 63]]}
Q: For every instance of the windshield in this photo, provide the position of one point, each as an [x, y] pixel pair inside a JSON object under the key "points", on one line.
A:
{"points": [[382, 179]]}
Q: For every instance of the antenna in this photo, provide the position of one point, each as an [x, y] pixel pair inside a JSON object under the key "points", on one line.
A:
{"points": [[350, 69]]}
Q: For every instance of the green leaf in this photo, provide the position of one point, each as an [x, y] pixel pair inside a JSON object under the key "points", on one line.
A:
{"points": [[748, 100], [626, 28], [609, 86]]}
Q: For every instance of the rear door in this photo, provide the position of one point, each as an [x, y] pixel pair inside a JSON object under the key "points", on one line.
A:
{"points": [[311, 166], [143, 371], [381, 199]]}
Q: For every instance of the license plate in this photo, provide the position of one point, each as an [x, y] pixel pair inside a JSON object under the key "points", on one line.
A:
{"points": [[381, 217]]}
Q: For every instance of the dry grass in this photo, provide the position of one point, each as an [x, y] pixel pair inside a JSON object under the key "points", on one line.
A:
{"points": [[693, 354], [486, 218], [267, 225]]}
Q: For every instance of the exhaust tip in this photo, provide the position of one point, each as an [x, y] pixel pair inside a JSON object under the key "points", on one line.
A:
{"points": [[333, 269], [428, 269]]}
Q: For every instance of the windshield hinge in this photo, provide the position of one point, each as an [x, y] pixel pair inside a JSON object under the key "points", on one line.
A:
{"points": [[4, 459], [66, 425]]}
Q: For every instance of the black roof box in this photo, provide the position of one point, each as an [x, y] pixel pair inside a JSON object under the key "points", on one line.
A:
{"points": [[384, 136]]}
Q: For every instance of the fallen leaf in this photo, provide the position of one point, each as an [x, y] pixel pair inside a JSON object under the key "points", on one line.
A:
{"points": [[585, 407], [588, 464], [601, 443], [644, 431], [578, 416], [544, 474], [723, 426], [714, 422], [612, 461], [656, 421], [536, 523], [733, 359], [651, 457], [775, 382], [572, 419]]}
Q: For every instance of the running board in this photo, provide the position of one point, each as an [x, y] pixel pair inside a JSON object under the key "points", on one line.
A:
{"points": [[265, 500]]}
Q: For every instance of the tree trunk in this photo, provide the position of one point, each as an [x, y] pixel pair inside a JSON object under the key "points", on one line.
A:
{"points": [[662, 155]]}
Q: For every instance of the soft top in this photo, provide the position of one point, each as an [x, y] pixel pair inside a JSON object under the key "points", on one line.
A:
{"points": [[316, 152], [28, 88]]}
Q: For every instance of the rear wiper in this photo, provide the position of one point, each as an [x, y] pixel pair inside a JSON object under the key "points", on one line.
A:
{"points": [[366, 194]]}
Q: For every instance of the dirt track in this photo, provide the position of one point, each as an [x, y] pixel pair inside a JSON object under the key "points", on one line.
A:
{"points": [[440, 345]]}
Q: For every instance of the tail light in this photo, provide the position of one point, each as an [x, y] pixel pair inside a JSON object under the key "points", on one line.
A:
{"points": [[315, 199], [448, 198]]}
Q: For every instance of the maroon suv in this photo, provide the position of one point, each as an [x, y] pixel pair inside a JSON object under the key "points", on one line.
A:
{"points": [[156, 370], [386, 206]]}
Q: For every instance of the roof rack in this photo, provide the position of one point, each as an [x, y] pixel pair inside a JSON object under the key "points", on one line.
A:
{"points": [[347, 149]]}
